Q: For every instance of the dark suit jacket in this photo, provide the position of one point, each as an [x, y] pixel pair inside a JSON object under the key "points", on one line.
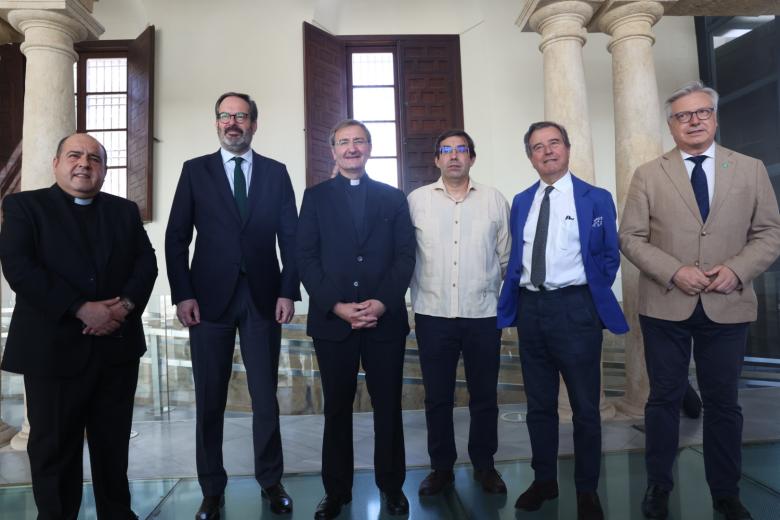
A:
{"points": [[204, 201], [338, 266], [596, 217], [48, 264]]}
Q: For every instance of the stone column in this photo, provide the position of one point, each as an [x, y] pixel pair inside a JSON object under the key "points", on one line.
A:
{"points": [[562, 26], [637, 140], [49, 113]]}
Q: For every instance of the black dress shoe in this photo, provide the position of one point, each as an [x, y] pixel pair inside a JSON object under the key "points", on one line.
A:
{"points": [[731, 508], [589, 506], [330, 506], [436, 481], [209, 508], [691, 403], [278, 499], [536, 494], [491, 481], [656, 503], [395, 503]]}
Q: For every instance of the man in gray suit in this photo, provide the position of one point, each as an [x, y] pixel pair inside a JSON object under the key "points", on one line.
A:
{"points": [[700, 222]]}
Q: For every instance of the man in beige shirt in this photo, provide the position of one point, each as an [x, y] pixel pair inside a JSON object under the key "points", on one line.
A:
{"points": [[462, 231]]}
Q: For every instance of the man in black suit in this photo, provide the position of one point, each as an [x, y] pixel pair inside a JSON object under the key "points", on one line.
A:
{"points": [[82, 268], [355, 251], [240, 203]]}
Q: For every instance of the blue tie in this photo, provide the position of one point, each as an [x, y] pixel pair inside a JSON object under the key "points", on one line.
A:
{"points": [[699, 183]]}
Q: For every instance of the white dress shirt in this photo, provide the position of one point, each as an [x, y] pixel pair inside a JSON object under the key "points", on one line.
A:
{"points": [[709, 168], [230, 166], [563, 257]]}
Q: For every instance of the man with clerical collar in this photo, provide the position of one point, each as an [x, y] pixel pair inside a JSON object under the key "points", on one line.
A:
{"points": [[82, 268], [241, 203], [558, 292], [355, 252], [700, 223], [462, 231]]}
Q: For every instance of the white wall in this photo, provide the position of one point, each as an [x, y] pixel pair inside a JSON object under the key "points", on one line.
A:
{"points": [[205, 48]]}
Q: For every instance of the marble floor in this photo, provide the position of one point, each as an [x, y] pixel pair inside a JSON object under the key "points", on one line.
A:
{"points": [[162, 468]]}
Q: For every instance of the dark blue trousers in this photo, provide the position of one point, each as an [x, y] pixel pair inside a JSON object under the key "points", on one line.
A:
{"points": [[560, 332], [719, 350], [440, 342], [212, 345]]}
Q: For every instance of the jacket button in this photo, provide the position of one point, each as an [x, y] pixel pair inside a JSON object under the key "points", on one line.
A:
{"points": [[359, 258], [704, 233], [356, 283]]}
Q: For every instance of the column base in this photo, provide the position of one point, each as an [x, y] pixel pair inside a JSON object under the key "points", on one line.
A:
{"points": [[629, 408], [6, 433], [19, 441]]}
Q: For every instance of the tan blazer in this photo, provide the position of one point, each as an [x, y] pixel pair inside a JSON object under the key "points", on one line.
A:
{"points": [[661, 230]]}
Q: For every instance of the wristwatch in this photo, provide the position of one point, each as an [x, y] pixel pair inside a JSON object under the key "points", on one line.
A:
{"points": [[127, 304]]}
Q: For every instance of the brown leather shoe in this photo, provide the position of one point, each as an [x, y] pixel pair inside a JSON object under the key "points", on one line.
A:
{"points": [[491, 481], [536, 494], [437, 481]]}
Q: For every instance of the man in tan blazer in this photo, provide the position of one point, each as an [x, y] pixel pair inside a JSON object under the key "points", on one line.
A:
{"points": [[700, 222]]}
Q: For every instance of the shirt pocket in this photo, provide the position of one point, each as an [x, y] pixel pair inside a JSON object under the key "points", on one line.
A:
{"points": [[567, 233]]}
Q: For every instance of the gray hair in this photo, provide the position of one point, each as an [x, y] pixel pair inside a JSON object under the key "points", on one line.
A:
{"points": [[544, 124], [690, 88], [344, 124]]}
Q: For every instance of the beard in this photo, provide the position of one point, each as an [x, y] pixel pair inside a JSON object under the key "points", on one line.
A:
{"points": [[235, 144]]}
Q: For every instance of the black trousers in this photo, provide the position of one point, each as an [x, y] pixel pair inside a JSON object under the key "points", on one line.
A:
{"points": [[560, 332], [383, 363], [212, 345], [441, 341], [100, 401], [719, 350]]}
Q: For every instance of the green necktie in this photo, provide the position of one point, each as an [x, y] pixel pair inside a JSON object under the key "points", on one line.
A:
{"points": [[239, 188]]}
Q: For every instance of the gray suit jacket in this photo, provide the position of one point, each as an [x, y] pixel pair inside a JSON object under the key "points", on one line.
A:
{"points": [[661, 230]]}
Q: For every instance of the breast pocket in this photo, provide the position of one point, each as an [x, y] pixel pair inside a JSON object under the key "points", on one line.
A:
{"points": [[567, 233]]}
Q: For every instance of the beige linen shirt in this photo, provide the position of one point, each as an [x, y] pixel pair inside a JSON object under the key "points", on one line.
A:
{"points": [[462, 250]]}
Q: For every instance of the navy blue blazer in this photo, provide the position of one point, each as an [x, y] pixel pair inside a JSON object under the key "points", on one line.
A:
{"points": [[596, 217], [204, 201], [49, 265], [338, 266]]}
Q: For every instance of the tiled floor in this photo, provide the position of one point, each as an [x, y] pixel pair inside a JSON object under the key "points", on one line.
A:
{"points": [[162, 470]]}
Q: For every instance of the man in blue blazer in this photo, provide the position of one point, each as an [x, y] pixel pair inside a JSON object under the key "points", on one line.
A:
{"points": [[241, 205], [557, 292], [355, 252]]}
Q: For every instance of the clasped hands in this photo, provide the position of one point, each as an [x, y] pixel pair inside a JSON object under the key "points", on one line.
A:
{"points": [[691, 280], [103, 317], [360, 315]]}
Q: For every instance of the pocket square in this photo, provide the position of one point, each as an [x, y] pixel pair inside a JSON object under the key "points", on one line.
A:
{"points": [[598, 221]]}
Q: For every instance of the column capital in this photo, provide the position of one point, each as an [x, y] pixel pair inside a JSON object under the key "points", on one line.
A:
{"points": [[629, 20], [72, 17], [558, 21]]}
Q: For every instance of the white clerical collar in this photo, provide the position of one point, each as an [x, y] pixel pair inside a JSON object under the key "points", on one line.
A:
{"points": [[82, 202], [354, 182]]}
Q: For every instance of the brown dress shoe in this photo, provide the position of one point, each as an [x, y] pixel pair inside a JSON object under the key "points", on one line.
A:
{"points": [[437, 481], [491, 481], [536, 494]]}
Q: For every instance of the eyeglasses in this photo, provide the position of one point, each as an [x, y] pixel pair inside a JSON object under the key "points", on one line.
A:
{"points": [[446, 149], [702, 114], [357, 141], [240, 117]]}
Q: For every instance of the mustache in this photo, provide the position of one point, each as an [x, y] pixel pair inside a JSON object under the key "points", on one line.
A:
{"points": [[234, 128]]}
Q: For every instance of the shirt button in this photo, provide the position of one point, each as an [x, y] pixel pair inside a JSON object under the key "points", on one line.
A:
{"points": [[359, 258], [456, 241], [356, 283], [453, 285]]}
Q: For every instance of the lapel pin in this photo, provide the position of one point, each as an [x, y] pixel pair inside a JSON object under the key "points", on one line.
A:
{"points": [[724, 165]]}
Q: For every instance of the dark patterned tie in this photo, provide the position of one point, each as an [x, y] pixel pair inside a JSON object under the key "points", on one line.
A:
{"points": [[239, 187], [538, 261], [699, 183]]}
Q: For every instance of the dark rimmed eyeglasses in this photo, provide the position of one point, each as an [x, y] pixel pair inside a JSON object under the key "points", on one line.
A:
{"points": [[240, 117], [702, 114]]}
